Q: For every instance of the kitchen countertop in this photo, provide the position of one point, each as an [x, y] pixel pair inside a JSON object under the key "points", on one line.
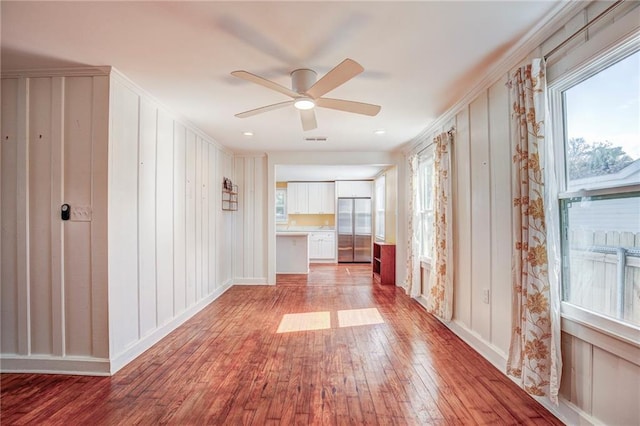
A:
{"points": [[305, 229], [291, 234]]}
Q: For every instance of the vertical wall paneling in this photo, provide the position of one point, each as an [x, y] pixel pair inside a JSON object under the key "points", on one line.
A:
{"points": [[56, 231], [214, 219], [198, 218], [179, 218], [501, 245], [615, 388], [77, 231], [164, 218], [480, 219], [21, 222], [99, 231], [147, 217], [203, 158], [123, 218], [8, 217], [259, 213], [40, 215], [190, 212], [462, 217]]}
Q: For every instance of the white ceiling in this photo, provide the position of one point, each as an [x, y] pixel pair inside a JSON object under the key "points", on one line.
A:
{"points": [[419, 58]]}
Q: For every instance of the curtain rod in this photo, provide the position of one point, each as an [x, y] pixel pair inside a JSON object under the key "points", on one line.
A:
{"points": [[451, 131], [583, 28]]}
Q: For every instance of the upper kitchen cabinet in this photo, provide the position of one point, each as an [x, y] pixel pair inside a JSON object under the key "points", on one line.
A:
{"points": [[311, 198], [322, 198], [354, 189], [298, 198]]}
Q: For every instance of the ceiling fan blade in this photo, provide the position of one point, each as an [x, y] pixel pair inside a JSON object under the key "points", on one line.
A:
{"points": [[264, 82], [264, 109], [308, 118], [349, 106], [342, 73]]}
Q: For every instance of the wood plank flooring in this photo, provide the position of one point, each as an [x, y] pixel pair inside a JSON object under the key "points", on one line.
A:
{"points": [[227, 365]]}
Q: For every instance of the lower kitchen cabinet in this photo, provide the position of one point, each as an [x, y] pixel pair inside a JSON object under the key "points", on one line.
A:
{"points": [[322, 245]]}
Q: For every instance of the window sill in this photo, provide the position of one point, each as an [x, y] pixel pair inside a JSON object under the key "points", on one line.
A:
{"points": [[425, 262], [613, 336]]}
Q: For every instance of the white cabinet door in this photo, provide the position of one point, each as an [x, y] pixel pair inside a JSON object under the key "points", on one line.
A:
{"points": [[354, 188], [315, 192], [328, 246], [298, 198], [322, 245], [328, 197]]}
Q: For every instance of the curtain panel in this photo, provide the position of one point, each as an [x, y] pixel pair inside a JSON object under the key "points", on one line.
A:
{"points": [[440, 286], [534, 352]]}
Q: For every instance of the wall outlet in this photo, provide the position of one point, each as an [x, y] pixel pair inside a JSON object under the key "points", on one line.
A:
{"points": [[485, 296]]}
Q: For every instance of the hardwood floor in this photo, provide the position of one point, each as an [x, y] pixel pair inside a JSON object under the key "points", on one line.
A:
{"points": [[228, 365]]}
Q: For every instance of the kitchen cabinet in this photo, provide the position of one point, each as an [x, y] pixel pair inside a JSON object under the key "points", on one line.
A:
{"points": [[310, 198], [297, 198], [322, 197], [322, 245], [354, 189]]}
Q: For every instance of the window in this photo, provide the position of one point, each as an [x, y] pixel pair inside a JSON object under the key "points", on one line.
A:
{"points": [[380, 202], [281, 205], [425, 202], [597, 109]]}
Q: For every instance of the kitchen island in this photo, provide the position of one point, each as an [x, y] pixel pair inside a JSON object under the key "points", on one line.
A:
{"points": [[292, 252]]}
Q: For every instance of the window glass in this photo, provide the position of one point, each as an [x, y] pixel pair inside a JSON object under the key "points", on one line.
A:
{"points": [[380, 207], [281, 205], [601, 226], [425, 200]]}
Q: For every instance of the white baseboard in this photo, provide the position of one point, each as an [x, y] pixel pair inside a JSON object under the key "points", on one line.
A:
{"points": [[135, 350], [566, 411], [49, 364], [250, 281]]}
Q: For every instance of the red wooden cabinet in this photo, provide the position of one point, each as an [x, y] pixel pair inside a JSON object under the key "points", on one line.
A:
{"points": [[384, 263]]}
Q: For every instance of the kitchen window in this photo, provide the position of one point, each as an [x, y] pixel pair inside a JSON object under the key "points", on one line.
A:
{"points": [[281, 205], [380, 207], [596, 114], [425, 203]]}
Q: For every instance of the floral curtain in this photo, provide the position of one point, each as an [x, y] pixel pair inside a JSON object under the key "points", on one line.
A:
{"points": [[534, 353], [413, 240], [440, 286]]}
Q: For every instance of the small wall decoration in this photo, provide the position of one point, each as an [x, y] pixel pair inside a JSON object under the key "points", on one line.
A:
{"points": [[226, 184]]}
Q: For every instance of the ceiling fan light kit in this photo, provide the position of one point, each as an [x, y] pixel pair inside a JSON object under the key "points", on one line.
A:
{"points": [[307, 92]]}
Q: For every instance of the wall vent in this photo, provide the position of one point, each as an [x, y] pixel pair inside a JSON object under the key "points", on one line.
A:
{"points": [[316, 139]]}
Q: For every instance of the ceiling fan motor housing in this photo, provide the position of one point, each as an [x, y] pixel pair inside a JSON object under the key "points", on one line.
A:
{"points": [[302, 79]]}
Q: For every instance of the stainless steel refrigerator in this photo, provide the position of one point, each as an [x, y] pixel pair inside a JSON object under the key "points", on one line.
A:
{"points": [[354, 230]]}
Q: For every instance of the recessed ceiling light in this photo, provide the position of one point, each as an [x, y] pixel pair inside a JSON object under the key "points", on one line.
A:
{"points": [[247, 133], [304, 103], [380, 131]]}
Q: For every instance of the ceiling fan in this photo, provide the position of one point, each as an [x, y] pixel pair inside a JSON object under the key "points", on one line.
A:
{"points": [[307, 92]]}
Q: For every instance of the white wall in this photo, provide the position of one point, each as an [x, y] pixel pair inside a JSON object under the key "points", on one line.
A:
{"points": [[250, 238], [54, 273], [601, 374], [148, 244], [170, 243]]}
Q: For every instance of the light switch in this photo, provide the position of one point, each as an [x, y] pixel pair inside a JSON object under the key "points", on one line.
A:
{"points": [[80, 213]]}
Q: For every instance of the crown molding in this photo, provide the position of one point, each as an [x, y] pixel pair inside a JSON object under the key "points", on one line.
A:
{"points": [[533, 39], [57, 72]]}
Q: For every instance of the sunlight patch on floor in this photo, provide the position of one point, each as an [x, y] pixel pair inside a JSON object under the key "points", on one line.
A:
{"points": [[355, 317], [304, 322]]}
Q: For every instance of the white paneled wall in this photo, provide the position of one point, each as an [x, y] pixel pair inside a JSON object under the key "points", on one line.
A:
{"points": [[250, 251], [148, 244], [169, 240], [601, 373], [54, 274]]}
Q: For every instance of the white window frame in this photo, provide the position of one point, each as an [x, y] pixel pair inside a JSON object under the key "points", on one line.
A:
{"points": [[578, 67], [380, 192], [280, 219], [425, 212]]}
